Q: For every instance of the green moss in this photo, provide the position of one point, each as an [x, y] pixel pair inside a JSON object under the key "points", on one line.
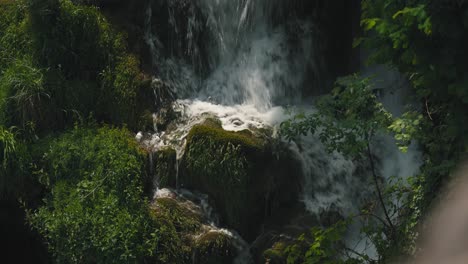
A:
{"points": [[245, 177], [182, 218], [214, 247], [171, 248], [194, 243], [212, 122], [95, 210], [225, 165], [275, 254], [211, 130], [174, 246], [69, 62], [165, 167]]}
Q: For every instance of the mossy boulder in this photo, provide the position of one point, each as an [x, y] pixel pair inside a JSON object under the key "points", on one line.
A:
{"points": [[248, 178], [183, 219], [165, 167], [174, 225], [189, 231], [214, 247], [179, 221]]}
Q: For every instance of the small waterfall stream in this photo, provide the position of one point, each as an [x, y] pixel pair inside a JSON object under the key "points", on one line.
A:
{"points": [[258, 69]]}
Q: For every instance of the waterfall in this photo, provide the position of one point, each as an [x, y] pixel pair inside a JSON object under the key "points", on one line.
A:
{"points": [[252, 60], [256, 62], [257, 67]]}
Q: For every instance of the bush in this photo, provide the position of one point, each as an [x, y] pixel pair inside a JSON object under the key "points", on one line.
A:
{"points": [[96, 212], [23, 93], [82, 61]]}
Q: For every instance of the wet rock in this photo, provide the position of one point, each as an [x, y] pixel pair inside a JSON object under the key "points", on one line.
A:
{"points": [[248, 179], [163, 92], [163, 118], [163, 96], [165, 167], [214, 247], [185, 216], [197, 240], [146, 122]]}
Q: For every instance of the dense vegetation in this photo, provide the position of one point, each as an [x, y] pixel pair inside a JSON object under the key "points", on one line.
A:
{"points": [[63, 70], [71, 91], [425, 41], [95, 209], [62, 62]]}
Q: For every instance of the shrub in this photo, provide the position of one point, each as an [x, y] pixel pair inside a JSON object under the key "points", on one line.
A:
{"points": [[82, 61], [96, 212], [22, 90]]}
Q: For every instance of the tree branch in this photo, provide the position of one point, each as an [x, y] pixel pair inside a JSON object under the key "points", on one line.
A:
{"points": [[379, 191]]}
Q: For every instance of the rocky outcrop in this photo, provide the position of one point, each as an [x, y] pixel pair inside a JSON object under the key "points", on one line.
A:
{"points": [[166, 167], [251, 179], [198, 241], [214, 247]]}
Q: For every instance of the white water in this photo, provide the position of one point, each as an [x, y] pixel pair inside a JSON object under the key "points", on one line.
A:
{"points": [[256, 72]]}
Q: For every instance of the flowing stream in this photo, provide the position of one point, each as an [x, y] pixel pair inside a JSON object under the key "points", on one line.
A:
{"points": [[256, 76]]}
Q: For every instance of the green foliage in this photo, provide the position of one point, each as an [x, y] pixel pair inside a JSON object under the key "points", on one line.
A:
{"points": [[435, 63], [74, 39], [346, 120], [95, 211], [73, 58], [406, 128], [322, 245], [183, 220], [23, 93], [13, 32], [120, 90], [218, 161], [13, 167], [276, 254], [426, 41]]}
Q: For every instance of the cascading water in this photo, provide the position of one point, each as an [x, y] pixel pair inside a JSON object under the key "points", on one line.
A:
{"points": [[257, 67], [257, 63]]}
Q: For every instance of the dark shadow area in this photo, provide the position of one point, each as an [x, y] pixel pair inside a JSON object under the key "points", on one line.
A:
{"points": [[19, 243]]}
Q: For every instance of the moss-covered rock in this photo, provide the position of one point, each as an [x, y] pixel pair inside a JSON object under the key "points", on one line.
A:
{"points": [[214, 247], [179, 222], [248, 179], [165, 167], [183, 219], [197, 241]]}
